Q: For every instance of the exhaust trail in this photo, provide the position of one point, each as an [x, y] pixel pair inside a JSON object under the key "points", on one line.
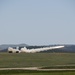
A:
{"points": [[39, 49]]}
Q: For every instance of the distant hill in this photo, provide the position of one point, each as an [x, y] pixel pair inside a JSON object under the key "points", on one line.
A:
{"points": [[5, 46]]}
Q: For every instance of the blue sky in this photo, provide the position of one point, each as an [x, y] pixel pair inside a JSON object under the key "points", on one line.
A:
{"points": [[37, 22]]}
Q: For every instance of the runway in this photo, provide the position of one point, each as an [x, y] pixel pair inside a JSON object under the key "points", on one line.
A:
{"points": [[36, 68]]}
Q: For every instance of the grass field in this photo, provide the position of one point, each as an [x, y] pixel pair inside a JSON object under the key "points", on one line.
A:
{"points": [[36, 59], [44, 60]]}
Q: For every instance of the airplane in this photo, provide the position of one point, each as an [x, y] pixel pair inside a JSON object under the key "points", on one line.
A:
{"points": [[25, 50], [12, 50]]}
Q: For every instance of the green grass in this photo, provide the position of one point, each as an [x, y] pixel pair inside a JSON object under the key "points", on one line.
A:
{"points": [[36, 59], [45, 60], [25, 72]]}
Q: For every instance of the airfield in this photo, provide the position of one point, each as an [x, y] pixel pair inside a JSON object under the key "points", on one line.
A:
{"points": [[34, 63]]}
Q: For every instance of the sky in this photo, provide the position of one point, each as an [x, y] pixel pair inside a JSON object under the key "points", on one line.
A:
{"points": [[37, 22]]}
